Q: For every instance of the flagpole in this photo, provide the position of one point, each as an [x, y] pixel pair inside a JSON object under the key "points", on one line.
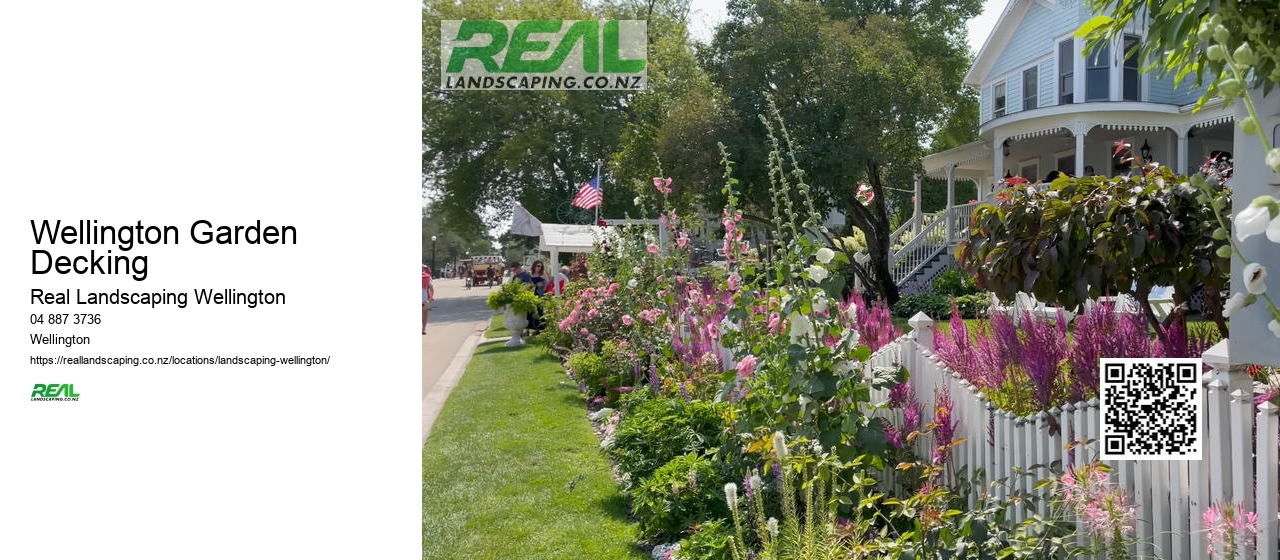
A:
{"points": [[601, 187]]}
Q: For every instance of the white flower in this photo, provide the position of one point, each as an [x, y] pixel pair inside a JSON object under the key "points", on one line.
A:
{"points": [[801, 327], [631, 283], [1274, 325], [845, 367], [1251, 221], [731, 494], [637, 201], [861, 258], [1235, 303], [804, 401], [1273, 159], [825, 255], [817, 273], [772, 524], [1255, 276], [820, 304], [635, 270], [1273, 231], [780, 448]]}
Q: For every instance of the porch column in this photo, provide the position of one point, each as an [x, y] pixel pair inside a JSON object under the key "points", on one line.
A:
{"points": [[1182, 149], [999, 167], [915, 208], [951, 195], [1080, 152]]}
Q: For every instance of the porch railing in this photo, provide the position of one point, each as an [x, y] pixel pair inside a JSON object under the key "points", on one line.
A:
{"points": [[919, 251]]}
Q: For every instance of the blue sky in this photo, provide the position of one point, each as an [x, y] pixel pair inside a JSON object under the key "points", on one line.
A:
{"points": [[705, 14]]}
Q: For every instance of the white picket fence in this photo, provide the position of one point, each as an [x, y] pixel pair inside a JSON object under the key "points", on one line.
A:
{"points": [[1171, 495]]}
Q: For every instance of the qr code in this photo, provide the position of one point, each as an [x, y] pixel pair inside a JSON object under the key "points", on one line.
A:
{"points": [[1152, 409]]}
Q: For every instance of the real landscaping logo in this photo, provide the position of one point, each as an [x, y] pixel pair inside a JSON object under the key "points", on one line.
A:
{"points": [[546, 54], [54, 392]]}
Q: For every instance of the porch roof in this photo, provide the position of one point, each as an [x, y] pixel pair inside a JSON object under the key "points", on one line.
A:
{"points": [[972, 160]]}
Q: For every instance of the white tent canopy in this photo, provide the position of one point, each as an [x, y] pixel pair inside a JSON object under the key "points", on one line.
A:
{"points": [[570, 238]]}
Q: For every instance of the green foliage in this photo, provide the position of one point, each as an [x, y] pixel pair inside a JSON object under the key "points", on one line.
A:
{"points": [[710, 542], [933, 305], [590, 370], [1183, 38], [687, 490], [654, 430], [859, 83], [938, 306], [956, 283], [516, 294], [1092, 236]]}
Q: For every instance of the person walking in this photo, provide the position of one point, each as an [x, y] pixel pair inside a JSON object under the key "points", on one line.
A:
{"points": [[428, 295]]}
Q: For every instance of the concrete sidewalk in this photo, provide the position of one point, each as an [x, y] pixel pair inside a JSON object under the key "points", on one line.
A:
{"points": [[457, 321]]}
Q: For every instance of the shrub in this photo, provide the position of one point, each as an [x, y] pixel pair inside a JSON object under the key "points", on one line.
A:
{"points": [[710, 542], [688, 489], [590, 371], [955, 283], [974, 306], [654, 430], [933, 305], [516, 294]]}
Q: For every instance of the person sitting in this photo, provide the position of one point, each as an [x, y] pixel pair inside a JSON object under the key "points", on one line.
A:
{"points": [[1088, 171]]}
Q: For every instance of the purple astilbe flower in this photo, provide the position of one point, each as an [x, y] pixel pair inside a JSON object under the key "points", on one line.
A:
{"points": [[891, 434], [1045, 346], [654, 381], [944, 427], [900, 395], [748, 489], [911, 418]]}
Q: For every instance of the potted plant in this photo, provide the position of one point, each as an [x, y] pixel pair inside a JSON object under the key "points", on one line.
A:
{"points": [[515, 299]]}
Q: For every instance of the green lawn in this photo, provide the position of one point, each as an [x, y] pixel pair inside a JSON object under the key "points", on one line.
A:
{"points": [[513, 470], [495, 327]]}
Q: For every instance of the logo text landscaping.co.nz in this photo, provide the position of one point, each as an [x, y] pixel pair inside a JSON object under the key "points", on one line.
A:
{"points": [[54, 392], [543, 54]]}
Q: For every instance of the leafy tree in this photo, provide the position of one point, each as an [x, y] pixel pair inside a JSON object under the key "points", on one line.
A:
{"points": [[1089, 237], [452, 241], [858, 84], [493, 148]]}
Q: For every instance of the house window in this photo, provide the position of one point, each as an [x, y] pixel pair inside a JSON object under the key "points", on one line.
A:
{"points": [[1030, 90], [1066, 72], [1132, 79], [1030, 170], [1097, 74], [1067, 164], [998, 100]]}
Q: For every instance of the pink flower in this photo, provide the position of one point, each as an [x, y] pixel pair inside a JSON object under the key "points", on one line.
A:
{"points": [[663, 185], [626, 319], [584, 331], [973, 201], [682, 241], [746, 366], [774, 320], [653, 248], [659, 277], [728, 225]]}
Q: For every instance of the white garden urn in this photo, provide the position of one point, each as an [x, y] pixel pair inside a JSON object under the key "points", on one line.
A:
{"points": [[514, 322]]}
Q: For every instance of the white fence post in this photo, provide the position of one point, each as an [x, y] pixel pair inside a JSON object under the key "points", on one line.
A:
{"points": [[1268, 482], [1242, 452]]}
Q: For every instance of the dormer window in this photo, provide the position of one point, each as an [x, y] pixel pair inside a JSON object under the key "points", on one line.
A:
{"points": [[998, 100]]}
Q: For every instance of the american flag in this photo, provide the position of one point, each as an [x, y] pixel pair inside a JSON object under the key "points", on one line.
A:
{"points": [[590, 195]]}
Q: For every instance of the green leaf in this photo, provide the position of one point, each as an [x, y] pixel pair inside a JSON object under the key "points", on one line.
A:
{"points": [[1093, 24]]}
